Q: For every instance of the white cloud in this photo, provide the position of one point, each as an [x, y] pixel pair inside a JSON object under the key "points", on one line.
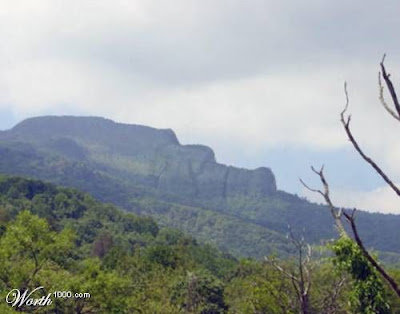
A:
{"points": [[383, 199], [226, 73]]}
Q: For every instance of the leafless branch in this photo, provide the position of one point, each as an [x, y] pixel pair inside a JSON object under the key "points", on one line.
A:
{"points": [[311, 189], [383, 101], [301, 275], [304, 259], [351, 219], [336, 212], [392, 91], [329, 304], [280, 269], [346, 124], [345, 120]]}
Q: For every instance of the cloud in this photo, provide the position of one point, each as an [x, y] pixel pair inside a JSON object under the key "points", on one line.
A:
{"points": [[383, 199], [239, 76]]}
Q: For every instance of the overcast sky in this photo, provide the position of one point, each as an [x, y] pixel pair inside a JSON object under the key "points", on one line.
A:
{"points": [[261, 82]]}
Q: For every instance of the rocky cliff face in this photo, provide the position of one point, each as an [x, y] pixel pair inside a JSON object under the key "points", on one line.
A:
{"points": [[203, 177], [150, 157]]}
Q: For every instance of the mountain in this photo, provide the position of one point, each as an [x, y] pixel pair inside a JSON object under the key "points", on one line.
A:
{"points": [[152, 158], [147, 171]]}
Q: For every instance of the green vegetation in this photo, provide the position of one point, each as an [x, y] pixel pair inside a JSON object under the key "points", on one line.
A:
{"points": [[147, 171], [64, 240], [368, 295]]}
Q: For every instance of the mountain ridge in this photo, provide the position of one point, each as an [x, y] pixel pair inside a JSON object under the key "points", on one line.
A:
{"points": [[196, 164], [148, 171]]}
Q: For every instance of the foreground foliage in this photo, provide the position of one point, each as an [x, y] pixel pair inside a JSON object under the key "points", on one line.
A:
{"points": [[64, 240]]}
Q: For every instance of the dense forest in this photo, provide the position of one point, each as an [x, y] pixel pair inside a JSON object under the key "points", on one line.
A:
{"points": [[67, 242], [148, 172]]}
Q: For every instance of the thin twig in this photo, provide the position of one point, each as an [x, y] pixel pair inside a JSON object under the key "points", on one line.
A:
{"points": [[280, 269], [300, 279], [383, 101], [329, 304], [336, 212], [389, 84]]}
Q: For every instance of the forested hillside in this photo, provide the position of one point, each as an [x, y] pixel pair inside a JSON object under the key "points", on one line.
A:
{"points": [[147, 171], [64, 240]]}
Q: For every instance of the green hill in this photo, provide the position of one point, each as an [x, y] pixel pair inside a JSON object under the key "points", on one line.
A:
{"points": [[147, 171], [64, 240]]}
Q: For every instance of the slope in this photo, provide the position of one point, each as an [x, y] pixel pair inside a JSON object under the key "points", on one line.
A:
{"points": [[147, 171]]}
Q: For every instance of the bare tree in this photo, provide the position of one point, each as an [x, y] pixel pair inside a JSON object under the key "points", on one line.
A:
{"points": [[300, 277], [337, 213], [330, 304]]}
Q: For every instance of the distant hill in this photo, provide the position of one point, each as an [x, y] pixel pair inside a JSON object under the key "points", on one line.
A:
{"points": [[153, 158], [147, 171]]}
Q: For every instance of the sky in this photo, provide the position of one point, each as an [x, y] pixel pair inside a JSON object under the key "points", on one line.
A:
{"points": [[261, 82]]}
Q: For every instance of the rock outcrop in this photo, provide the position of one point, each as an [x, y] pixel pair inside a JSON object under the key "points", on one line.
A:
{"points": [[148, 156]]}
